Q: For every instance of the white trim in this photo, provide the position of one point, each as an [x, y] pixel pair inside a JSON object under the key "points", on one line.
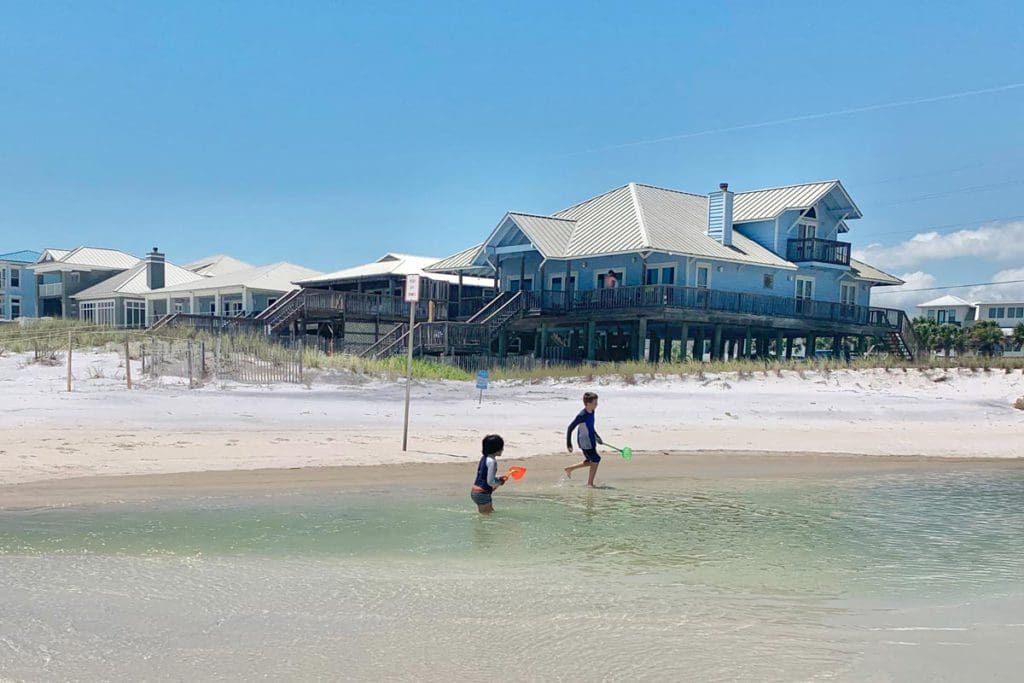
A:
{"points": [[696, 273], [575, 274], [804, 278], [658, 266], [604, 271], [517, 248], [644, 237]]}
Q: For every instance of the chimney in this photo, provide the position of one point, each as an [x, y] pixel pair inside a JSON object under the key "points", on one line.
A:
{"points": [[155, 267], [720, 214]]}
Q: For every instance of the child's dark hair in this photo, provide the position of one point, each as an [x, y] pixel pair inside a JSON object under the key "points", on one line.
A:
{"points": [[493, 444], [589, 397]]}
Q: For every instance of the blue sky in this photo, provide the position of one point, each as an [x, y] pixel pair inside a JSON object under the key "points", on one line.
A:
{"points": [[329, 133]]}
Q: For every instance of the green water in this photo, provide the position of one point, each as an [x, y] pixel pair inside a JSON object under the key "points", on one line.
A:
{"points": [[757, 579]]}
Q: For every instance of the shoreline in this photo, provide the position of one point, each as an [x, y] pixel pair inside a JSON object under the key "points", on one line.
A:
{"points": [[543, 470]]}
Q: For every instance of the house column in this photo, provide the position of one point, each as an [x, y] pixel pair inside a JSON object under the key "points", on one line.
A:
{"points": [[654, 355], [459, 313], [641, 339], [149, 312], [837, 347], [502, 343], [247, 302], [716, 344], [666, 354], [698, 345], [543, 341], [749, 344], [218, 304], [167, 311], [192, 303], [778, 345], [591, 340], [811, 343], [684, 337], [789, 347]]}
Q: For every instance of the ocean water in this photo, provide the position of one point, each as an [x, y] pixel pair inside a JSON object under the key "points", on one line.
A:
{"points": [[897, 576]]}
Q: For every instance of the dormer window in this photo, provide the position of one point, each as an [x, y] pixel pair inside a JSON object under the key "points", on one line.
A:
{"points": [[808, 228]]}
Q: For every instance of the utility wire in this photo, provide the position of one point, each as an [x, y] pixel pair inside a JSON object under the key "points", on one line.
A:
{"points": [[933, 289]]}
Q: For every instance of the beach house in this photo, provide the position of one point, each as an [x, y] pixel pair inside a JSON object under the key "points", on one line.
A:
{"points": [[61, 273], [17, 285], [649, 272], [948, 309], [120, 300], [231, 293]]}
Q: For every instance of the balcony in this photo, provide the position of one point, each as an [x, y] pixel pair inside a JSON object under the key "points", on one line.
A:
{"points": [[820, 251], [51, 289]]}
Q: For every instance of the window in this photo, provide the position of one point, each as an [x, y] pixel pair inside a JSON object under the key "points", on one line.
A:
{"points": [[558, 283], [232, 308], [931, 315], [179, 306], [135, 313], [1020, 311], [213, 308], [514, 285], [87, 311], [15, 306], [804, 293], [951, 315], [768, 281], [271, 301], [15, 277], [604, 282], [808, 229], [847, 294], [1000, 312], [661, 275], [3, 278], [941, 317], [703, 278]]}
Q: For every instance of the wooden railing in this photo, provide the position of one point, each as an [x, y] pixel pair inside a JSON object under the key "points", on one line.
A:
{"points": [[674, 296], [822, 251]]}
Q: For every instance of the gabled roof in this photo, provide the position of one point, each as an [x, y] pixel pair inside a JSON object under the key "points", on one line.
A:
{"points": [[218, 264], [24, 256], [770, 203], [391, 264], [947, 300], [865, 272], [460, 262], [276, 277], [85, 258], [132, 282], [638, 218]]}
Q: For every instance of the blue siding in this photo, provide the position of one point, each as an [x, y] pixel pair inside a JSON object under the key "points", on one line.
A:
{"points": [[762, 232], [25, 292]]}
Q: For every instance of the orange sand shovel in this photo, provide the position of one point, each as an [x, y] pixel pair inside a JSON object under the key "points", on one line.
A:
{"points": [[516, 472]]}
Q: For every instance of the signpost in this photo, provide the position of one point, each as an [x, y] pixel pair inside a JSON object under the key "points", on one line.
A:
{"points": [[412, 297], [481, 383]]}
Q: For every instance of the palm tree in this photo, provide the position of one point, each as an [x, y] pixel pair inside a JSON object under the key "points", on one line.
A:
{"points": [[926, 331], [987, 338], [949, 338], [1018, 335]]}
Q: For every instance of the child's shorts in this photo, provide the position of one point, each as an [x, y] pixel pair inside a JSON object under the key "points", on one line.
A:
{"points": [[591, 456], [480, 498]]}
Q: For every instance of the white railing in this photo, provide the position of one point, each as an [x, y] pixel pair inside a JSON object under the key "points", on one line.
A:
{"points": [[51, 289]]}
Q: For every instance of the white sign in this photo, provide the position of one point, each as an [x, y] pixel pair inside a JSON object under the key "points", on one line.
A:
{"points": [[412, 288]]}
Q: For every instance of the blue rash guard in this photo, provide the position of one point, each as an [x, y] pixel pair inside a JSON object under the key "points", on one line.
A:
{"points": [[487, 474], [586, 435]]}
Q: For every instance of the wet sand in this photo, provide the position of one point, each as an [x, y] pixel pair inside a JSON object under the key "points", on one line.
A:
{"points": [[643, 468]]}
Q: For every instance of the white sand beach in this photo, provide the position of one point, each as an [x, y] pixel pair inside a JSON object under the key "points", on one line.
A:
{"points": [[101, 428]]}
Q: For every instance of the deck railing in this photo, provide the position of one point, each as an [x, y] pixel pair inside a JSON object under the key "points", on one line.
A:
{"points": [[51, 289], [674, 296], [822, 251]]}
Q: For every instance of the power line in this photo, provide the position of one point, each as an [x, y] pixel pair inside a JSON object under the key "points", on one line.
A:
{"points": [[810, 117], [979, 222], [946, 193], [1015, 160], [933, 289]]}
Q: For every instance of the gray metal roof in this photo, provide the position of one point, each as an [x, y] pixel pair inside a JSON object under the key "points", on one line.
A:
{"points": [[768, 204], [866, 272], [218, 264], [276, 277], [550, 235], [461, 261], [132, 282], [86, 258]]}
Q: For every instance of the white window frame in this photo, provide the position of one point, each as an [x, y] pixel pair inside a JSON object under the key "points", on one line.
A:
{"points": [[763, 280], [3, 277], [528, 278], [14, 273], [807, 225], [604, 271], [105, 312], [134, 306], [852, 289], [87, 311], [660, 267], [696, 274], [178, 306], [233, 308], [796, 287], [573, 274], [15, 301]]}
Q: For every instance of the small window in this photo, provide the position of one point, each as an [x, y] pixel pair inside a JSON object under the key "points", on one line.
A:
{"points": [[15, 306], [15, 277], [1001, 312], [668, 275], [179, 306], [769, 281], [1020, 311], [942, 317], [703, 276], [951, 317], [931, 315], [609, 279]]}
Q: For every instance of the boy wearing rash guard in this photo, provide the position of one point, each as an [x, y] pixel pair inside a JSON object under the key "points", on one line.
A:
{"points": [[487, 478], [586, 437]]}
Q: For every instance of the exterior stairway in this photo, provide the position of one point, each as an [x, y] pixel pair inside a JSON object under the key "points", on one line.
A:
{"points": [[285, 311]]}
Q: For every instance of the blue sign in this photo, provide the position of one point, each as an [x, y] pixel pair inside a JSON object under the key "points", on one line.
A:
{"points": [[481, 379]]}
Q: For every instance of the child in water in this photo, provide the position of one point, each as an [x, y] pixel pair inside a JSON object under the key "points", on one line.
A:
{"points": [[487, 478], [586, 437]]}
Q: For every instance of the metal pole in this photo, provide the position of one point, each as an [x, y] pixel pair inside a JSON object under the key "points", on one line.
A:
{"points": [[69, 361], [408, 375], [127, 362]]}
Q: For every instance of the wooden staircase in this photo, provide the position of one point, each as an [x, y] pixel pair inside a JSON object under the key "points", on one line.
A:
{"points": [[285, 311]]}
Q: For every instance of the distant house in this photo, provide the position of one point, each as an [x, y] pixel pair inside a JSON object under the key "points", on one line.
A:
{"points": [[242, 292], [60, 274], [948, 309], [17, 285], [640, 271], [216, 265], [120, 300]]}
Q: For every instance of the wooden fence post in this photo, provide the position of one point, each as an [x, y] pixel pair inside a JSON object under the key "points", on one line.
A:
{"points": [[127, 362], [202, 363], [69, 361], [300, 361], [216, 359], [188, 359]]}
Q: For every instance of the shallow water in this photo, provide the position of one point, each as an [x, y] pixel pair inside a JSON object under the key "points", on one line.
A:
{"points": [[904, 576]]}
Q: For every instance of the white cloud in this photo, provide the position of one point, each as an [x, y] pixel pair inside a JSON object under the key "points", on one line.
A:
{"points": [[1008, 292], [898, 297], [997, 241]]}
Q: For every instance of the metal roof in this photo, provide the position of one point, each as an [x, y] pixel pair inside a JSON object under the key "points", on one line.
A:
{"points": [[23, 256], [770, 203], [398, 265], [132, 282], [549, 235], [276, 277], [218, 264], [866, 272], [85, 258], [459, 262], [947, 300]]}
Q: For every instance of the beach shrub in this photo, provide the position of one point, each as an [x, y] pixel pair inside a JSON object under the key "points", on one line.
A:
{"points": [[1019, 403]]}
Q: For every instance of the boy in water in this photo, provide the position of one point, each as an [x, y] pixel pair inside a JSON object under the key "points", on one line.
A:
{"points": [[586, 437], [487, 478]]}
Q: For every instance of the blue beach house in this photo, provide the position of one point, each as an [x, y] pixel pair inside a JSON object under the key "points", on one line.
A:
{"points": [[17, 285], [649, 272]]}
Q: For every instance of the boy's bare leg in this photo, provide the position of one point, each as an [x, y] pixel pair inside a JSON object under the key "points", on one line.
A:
{"points": [[593, 473], [568, 470], [485, 509]]}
